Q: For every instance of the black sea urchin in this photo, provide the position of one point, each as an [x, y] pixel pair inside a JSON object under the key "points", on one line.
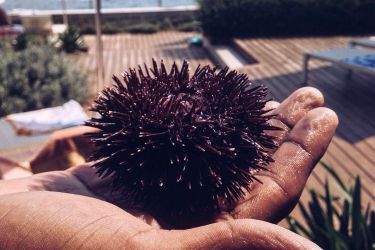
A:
{"points": [[179, 144]]}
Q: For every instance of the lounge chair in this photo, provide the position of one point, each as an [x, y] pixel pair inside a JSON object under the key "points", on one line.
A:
{"points": [[364, 42], [48, 119], [349, 58]]}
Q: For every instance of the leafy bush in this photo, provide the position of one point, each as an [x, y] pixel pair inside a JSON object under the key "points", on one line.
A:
{"points": [[341, 224], [87, 29], [166, 24], [24, 40], [229, 18], [20, 43], [146, 28], [189, 26], [37, 77], [113, 28], [70, 41]]}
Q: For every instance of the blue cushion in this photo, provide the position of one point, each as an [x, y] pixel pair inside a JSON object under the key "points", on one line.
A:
{"points": [[363, 60]]}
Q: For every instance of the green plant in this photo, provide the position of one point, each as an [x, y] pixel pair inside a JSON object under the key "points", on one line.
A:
{"points": [[86, 28], [166, 24], [5, 47], [113, 27], [232, 18], [37, 77], [146, 28], [70, 40], [189, 26], [341, 224], [20, 43], [23, 40]]}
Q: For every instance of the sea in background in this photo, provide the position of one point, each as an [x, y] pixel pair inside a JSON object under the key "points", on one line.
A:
{"points": [[10, 5]]}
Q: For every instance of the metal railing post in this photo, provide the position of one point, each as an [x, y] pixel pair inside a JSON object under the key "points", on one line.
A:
{"points": [[99, 47], [65, 15], [306, 59]]}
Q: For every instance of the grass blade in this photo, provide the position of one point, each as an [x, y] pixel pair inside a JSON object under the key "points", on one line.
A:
{"points": [[356, 215], [344, 219], [316, 210], [329, 207], [338, 180], [297, 227]]}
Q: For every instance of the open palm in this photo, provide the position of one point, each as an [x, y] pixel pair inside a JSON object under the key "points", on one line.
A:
{"points": [[75, 208]]}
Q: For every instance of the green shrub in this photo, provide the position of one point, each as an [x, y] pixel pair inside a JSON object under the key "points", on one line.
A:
{"points": [[166, 24], [37, 77], [70, 40], [20, 43], [188, 26], [5, 47], [87, 29], [230, 18], [146, 28], [24, 40], [342, 223], [113, 27]]}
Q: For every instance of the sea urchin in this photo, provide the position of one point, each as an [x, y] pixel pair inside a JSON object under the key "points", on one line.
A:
{"points": [[182, 144]]}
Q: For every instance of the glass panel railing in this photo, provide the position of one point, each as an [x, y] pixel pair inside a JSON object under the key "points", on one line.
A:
{"points": [[11, 5]]}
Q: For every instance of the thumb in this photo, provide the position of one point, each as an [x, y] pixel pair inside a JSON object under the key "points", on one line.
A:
{"points": [[238, 234]]}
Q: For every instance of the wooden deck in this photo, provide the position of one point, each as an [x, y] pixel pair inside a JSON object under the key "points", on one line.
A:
{"points": [[124, 51], [352, 151]]}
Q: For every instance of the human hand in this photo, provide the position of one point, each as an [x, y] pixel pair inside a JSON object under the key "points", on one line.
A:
{"points": [[307, 132]]}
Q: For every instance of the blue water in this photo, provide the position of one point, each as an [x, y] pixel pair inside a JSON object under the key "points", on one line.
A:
{"points": [[89, 4]]}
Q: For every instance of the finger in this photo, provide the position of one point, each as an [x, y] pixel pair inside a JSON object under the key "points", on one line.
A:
{"points": [[293, 162], [236, 234], [291, 110], [311, 136], [277, 134], [296, 106], [271, 105]]}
